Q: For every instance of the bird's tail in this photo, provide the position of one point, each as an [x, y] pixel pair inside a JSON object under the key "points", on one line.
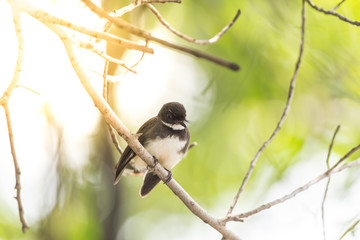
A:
{"points": [[150, 181]]}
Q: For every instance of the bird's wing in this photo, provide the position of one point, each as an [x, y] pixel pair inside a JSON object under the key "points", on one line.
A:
{"points": [[125, 158], [128, 153]]}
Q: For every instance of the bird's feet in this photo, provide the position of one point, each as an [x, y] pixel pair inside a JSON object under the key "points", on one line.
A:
{"points": [[156, 161], [168, 177]]}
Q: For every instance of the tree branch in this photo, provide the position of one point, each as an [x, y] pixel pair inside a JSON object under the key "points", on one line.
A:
{"points": [[111, 118], [326, 174], [47, 18], [338, 5], [141, 58], [27, 88], [328, 181], [102, 54], [331, 12], [111, 130], [25, 226], [282, 118], [138, 3], [190, 39], [352, 227], [4, 100], [144, 34]]}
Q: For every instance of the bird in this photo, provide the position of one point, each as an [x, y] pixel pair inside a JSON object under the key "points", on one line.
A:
{"points": [[166, 137]]}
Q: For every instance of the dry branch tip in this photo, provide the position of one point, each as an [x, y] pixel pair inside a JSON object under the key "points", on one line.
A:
{"points": [[282, 118]]}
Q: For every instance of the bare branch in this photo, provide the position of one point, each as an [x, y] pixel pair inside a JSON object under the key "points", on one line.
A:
{"points": [[158, 1], [352, 227], [137, 3], [326, 174], [141, 58], [106, 68], [141, 33], [331, 12], [25, 226], [190, 39], [47, 18], [328, 181], [27, 88], [4, 103], [132, 141], [102, 54], [282, 118], [111, 130], [338, 5]]}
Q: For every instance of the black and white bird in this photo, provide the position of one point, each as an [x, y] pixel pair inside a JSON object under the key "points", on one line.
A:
{"points": [[166, 137]]}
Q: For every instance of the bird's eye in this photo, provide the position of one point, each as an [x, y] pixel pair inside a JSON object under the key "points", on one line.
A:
{"points": [[170, 116]]}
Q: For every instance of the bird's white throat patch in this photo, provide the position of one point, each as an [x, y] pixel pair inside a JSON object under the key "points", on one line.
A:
{"points": [[174, 126]]}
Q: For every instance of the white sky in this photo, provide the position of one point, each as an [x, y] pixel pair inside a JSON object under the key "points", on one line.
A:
{"points": [[46, 70]]}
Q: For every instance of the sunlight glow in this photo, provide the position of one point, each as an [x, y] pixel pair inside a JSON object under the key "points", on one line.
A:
{"points": [[63, 101], [159, 80]]}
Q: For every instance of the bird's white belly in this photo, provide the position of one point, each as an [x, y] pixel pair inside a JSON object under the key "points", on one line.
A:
{"points": [[167, 151]]}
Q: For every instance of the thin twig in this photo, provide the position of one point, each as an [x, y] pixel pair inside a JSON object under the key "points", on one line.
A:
{"points": [[337, 6], [141, 58], [111, 130], [45, 17], [298, 190], [190, 39], [102, 54], [328, 181], [331, 12], [27, 88], [137, 3], [351, 228], [25, 226], [144, 34], [4, 102], [106, 67], [158, 1], [283, 116], [133, 142]]}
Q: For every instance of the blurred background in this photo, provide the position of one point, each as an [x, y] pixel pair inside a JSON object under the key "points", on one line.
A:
{"points": [[66, 155]]}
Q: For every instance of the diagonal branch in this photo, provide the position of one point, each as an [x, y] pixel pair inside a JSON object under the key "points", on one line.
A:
{"points": [[328, 181], [190, 39], [144, 34], [133, 142], [4, 103], [282, 118], [298, 190], [351, 228], [331, 12]]}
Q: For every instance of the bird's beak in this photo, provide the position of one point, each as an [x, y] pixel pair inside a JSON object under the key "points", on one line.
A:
{"points": [[183, 124]]}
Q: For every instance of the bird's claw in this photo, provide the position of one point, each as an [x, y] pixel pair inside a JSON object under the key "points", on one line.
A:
{"points": [[156, 161], [168, 177]]}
